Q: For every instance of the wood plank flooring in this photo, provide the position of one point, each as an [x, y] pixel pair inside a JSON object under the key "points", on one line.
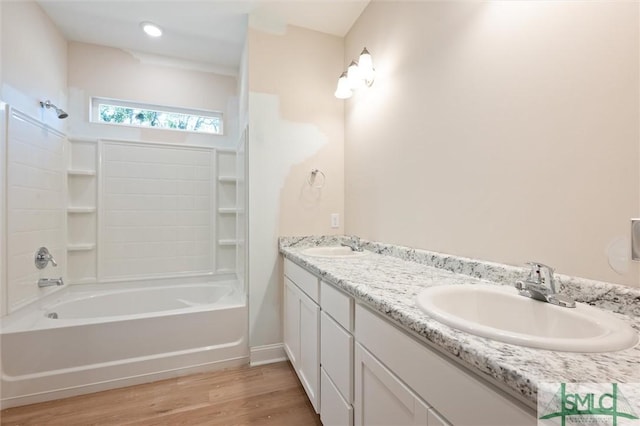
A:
{"points": [[266, 395]]}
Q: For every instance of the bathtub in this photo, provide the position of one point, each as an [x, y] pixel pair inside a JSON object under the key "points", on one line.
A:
{"points": [[90, 338]]}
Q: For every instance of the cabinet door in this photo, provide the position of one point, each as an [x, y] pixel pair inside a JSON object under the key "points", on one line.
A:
{"points": [[291, 321], [380, 397], [309, 359]]}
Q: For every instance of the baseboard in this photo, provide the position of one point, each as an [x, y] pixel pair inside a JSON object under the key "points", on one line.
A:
{"points": [[267, 354]]}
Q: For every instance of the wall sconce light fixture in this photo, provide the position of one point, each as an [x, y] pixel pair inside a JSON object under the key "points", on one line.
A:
{"points": [[359, 74]]}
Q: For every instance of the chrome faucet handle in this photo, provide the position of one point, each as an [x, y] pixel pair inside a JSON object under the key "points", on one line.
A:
{"points": [[43, 257], [541, 285], [542, 275]]}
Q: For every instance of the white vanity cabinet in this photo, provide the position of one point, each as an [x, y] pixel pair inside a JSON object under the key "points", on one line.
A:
{"points": [[358, 368], [318, 339], [302, 328]]}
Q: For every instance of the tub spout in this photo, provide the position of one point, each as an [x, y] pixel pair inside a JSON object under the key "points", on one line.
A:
{"points": [[48, 282]]}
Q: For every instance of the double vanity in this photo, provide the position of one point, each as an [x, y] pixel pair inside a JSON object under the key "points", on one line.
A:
{"points": [[392, 335]]}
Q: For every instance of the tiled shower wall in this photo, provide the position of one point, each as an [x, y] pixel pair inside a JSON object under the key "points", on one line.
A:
{"points": [[156, 216], [36, 180], [141, 210]]}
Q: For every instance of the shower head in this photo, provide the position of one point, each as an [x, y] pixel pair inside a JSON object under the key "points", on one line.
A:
{"points": [[59, 112]]}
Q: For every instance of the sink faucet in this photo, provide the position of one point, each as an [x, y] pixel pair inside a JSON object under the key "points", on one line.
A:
{"points": [[353, 243], [541, 285], [48, 282]]}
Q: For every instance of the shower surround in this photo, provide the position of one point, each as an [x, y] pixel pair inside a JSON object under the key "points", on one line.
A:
{"points": [[145, 234]]}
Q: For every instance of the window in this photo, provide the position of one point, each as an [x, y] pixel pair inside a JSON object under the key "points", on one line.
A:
{"points": [[127, 113]]}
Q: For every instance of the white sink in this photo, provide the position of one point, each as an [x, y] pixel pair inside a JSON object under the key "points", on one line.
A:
{"points": [[337, 252], [500, 313]]}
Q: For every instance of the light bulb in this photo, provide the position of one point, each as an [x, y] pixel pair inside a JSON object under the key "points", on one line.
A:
{"points": [[151, 29], [354, 76], [365, 67], [344, 88]]}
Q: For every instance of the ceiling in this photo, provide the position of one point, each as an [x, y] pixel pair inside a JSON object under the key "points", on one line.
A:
{"points": [[210, 32]]}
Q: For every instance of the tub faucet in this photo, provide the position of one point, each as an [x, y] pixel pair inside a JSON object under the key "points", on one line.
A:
{"points": [[353, 243], [541, 285], [48, 282]]}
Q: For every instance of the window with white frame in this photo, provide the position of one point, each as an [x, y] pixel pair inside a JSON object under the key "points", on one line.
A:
{"points": [[128, 113]]}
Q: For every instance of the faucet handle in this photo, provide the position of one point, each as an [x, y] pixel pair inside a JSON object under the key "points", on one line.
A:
{"points": [[43, 257], [542, 274]]}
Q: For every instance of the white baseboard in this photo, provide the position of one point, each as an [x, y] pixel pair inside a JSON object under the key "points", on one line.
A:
{"points": [[267, 354]]}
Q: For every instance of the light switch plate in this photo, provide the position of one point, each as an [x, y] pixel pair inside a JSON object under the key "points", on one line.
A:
{"points": [[635, 239], [335, 220]]}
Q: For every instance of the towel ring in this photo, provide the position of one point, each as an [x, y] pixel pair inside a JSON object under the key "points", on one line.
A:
{"points": [[312, 178]]}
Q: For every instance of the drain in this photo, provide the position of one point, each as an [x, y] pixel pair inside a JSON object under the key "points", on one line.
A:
{"points": [[52, 315]]}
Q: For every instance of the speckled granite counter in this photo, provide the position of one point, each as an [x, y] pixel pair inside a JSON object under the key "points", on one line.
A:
{"points": [[389, 278]]}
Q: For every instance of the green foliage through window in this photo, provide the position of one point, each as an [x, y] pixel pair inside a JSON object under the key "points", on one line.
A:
{"points": [[118, 114]]}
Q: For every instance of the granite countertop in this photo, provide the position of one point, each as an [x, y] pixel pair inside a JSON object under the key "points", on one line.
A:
{"points": [[389, 278]]}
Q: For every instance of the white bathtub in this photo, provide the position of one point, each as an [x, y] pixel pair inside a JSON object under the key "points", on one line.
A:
{"points": [[106, 337]]}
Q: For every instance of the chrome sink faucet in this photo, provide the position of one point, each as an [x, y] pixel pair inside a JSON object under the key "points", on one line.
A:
{"points": [[353, 243], [541, 285]]}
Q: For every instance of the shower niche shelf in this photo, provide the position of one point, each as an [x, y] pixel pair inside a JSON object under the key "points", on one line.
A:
{"points": [[80, 247], [80, 210], [82, 201], [77, 172], [227, 179], [227, 212]]}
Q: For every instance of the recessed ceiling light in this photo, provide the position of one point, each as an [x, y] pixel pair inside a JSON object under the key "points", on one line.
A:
{"points": [[151, 29]]}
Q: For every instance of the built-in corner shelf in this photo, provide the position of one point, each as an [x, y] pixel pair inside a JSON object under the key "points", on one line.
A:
{"points": [[227, 179], [80, 247], [227, 242], [229, 210], [81, 172], [81, 210]]}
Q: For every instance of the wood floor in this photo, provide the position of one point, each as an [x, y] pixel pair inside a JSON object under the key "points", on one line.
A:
{"points": [[265, 395]]}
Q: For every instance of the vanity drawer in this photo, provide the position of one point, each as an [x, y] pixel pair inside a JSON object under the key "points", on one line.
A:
{"points": [[334, 410], [337, 304], [304, 279], [336, 355]]}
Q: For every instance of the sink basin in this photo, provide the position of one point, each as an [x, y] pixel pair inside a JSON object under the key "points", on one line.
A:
{"points": [[500, 313], [336, 252]]}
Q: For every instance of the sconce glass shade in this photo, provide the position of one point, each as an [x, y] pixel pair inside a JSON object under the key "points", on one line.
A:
{"points": [[354, 76], [365, 67], [344, 88]]}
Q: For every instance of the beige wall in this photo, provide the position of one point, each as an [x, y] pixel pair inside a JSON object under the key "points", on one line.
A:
{"points": [[505, 131], [113, 73], [301, 69], [296, 125], [34, 61]]}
